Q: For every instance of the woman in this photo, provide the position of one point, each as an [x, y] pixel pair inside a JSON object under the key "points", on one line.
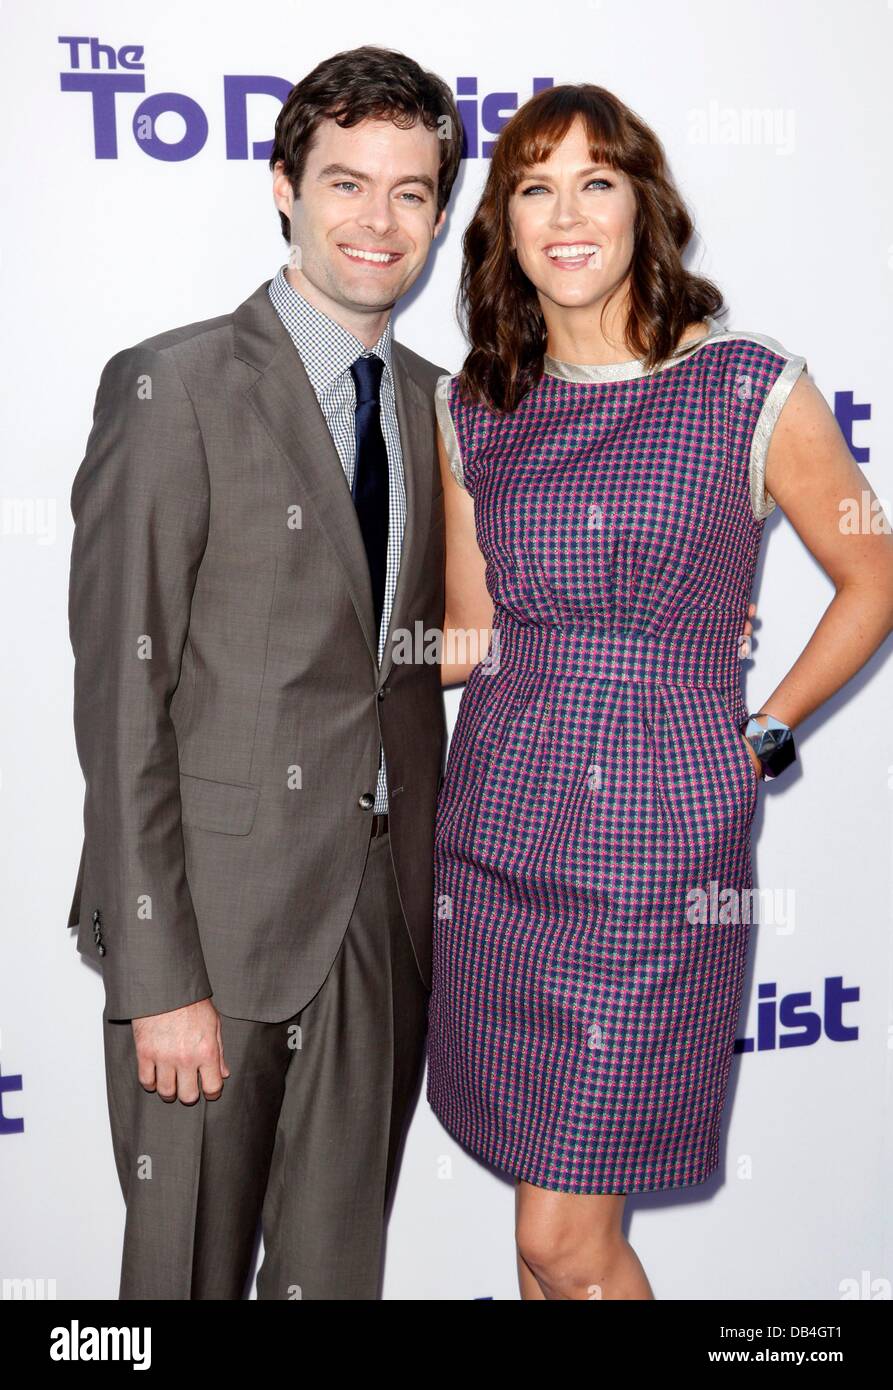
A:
{"points": [[609, 454]]}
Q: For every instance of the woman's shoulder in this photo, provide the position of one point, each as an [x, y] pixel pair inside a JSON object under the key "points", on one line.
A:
{"points": [[466, 425], [747, 343], [450, 391], [757, 376], [757, 369]]}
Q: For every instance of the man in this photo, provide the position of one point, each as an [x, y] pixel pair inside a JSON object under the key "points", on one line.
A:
{"points": [[258, 511]]}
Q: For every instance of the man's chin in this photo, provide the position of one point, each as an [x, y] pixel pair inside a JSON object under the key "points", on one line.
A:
{"points": [[369, 296], [371, 273]]}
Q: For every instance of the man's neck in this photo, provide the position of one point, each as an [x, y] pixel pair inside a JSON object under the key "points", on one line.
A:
{"points": [[368, 327]]}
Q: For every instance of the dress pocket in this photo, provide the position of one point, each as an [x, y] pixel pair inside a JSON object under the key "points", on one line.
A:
{"points": [[706, 776], [742, 757]]}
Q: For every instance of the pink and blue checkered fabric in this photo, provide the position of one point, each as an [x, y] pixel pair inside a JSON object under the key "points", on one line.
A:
{"points": [[582, 1021]]}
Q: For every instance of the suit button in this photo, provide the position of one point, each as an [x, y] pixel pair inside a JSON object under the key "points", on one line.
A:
{"points": [[96, 915], [100, 948], [367, 800], [382, 692]]}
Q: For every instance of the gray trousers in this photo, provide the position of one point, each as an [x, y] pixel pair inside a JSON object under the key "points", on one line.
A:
{"points": [[304, 1138]]}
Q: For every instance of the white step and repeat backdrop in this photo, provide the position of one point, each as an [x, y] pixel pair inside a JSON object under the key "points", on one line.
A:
{"points": [[777, 120]]}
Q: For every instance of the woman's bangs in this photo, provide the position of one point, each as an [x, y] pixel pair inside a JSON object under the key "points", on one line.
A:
{"points": [[536, 145]]}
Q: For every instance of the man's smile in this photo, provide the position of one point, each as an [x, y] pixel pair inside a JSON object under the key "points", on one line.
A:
{"points": [[369, 257]]}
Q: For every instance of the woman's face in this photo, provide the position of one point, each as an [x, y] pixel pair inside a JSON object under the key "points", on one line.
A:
{"points": [[572, 225]]}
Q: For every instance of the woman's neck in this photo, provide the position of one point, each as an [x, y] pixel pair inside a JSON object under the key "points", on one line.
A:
{"points": [[576, 336]]}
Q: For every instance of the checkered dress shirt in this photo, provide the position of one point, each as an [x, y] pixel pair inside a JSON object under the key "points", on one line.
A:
{"points": [[327, 351]]}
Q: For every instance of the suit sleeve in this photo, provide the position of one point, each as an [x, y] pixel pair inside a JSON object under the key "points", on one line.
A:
{"points": [[140, 502]]}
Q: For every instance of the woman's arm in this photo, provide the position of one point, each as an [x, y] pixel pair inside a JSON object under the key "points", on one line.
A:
{"points": [[815, 480], [468, 615]]}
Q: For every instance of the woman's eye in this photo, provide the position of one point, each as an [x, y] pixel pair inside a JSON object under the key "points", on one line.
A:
{"points": [[537, 187]]}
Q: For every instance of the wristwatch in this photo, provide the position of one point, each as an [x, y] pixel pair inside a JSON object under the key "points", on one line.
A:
{"points": [[773, 745]]}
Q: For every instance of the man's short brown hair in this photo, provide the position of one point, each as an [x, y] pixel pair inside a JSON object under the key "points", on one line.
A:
{"points": [[361, 84]]}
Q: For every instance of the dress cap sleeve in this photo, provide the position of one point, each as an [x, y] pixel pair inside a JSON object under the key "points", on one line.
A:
{"points": [[447, 427], [762, 503]]}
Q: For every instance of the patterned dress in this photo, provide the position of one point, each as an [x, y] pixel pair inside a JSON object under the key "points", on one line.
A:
{"points": [[592, 842]]}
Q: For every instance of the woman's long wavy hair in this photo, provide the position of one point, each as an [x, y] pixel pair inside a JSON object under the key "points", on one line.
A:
{"points": [[497, 303]]}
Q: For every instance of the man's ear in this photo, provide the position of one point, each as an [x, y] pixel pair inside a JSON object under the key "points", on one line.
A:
{"points": [[281, 188]]}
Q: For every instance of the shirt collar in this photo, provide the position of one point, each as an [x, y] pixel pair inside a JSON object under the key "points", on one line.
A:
{"points": [[326, 348]]}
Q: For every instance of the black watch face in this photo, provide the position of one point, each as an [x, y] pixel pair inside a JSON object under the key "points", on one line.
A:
{"points": [[780, 758]]}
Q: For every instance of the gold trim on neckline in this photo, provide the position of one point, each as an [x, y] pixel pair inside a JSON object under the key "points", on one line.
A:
{"points": [[627, 371]]}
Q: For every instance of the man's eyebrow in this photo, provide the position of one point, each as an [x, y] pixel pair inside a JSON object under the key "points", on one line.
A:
{"points": [[329, 169]]}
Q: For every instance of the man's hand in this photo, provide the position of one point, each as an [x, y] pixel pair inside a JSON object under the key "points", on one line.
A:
{"points": [[175, 1048], [744, 639], [751, 613], [748, 632]]}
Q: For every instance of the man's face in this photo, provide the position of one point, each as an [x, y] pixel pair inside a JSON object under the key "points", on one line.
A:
{"points": [[366, 214]]}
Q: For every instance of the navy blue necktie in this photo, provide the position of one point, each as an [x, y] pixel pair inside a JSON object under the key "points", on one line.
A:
{"points": [[370, 476]]}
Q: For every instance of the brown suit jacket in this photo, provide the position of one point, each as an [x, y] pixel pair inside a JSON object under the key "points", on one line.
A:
{"points": [[228, 703]]}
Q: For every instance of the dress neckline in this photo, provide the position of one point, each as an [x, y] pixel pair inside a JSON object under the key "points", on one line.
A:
{"points": [[625, 371]]}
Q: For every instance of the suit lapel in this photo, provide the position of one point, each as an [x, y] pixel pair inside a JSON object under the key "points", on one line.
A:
{"points": [[416, 446], [286, 403]]}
